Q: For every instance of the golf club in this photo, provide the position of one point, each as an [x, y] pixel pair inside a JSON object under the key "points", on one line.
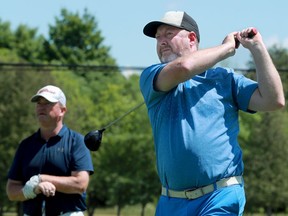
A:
{"points": [[93, 138], [251, 34]]}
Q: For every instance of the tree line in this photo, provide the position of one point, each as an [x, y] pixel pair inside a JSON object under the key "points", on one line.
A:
{"points": [[125, 170]]}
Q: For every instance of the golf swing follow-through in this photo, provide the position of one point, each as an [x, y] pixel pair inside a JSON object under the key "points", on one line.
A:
{"points": [[193, 108], [93, 139]]}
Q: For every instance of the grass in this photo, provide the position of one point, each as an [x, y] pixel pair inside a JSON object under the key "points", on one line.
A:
{"points": [[126, 211], [135, 211]]}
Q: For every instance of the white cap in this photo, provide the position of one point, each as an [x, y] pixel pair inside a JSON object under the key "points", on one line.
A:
{"points": [[50, 93]]}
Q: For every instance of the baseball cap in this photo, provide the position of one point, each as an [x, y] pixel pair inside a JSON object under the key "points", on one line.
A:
{"points": [[179, 19], [50, 93]]}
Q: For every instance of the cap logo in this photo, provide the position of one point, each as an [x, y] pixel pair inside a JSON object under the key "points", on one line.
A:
{"points": [[50, 93]]}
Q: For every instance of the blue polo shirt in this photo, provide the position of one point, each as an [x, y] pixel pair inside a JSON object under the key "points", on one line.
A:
{"points": [[62, 154], [195, 126]]}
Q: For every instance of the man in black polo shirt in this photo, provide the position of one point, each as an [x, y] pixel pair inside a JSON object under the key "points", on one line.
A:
{"points": [[51, 168]]}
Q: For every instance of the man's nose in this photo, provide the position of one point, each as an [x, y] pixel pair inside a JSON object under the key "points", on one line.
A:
{"points": [[162, 41]]}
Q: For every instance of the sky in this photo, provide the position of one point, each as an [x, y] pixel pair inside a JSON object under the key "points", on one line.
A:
{"points": [[121, 22]]}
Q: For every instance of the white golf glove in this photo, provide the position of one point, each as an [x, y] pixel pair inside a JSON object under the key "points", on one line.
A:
{"points": [[28, 189]]}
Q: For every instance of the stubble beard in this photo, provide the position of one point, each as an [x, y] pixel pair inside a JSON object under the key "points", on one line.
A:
{"points": [[166, 59]]}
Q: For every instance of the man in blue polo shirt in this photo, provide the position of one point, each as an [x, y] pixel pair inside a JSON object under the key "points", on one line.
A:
{"points": [[51, 168], [193, 110]]}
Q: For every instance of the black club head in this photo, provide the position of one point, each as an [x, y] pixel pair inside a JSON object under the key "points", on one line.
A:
{"points": [[93, 139]]}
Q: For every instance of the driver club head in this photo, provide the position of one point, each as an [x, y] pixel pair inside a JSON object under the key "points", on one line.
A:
{"points": [[93, 139]]}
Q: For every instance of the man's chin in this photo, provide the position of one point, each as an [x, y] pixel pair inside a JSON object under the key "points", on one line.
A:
{"points": [[170, 58], [42, 118]]}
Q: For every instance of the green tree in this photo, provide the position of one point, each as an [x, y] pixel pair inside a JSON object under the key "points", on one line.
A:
{"points": [[147, 186], [80, 106], [266, 163], [28, 44], [76, 40], [6, 35], [114, 163], [125, 164], [23, 41]]}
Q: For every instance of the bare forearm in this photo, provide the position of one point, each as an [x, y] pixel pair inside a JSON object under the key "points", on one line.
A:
{"points": [[187, 66], [68, 184], [206, 58], [269, 82], [14, 192]]}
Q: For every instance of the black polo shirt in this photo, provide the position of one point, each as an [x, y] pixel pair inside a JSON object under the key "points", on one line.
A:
{"points": [[62, 154]]}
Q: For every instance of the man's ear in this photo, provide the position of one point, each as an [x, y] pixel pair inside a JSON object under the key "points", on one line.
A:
{"points": [[63, 110], [192, 36]]}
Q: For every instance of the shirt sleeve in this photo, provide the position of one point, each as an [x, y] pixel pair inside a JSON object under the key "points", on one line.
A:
{"points": [[245, 87], [15, 172], [81, 158], [147, 80]]}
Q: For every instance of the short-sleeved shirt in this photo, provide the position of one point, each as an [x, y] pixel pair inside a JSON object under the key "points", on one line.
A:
{"points": [[62, 154], [195, 126]]}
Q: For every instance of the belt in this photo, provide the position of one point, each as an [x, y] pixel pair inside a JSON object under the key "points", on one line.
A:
{"points": [[78, 213], [196, 193]]}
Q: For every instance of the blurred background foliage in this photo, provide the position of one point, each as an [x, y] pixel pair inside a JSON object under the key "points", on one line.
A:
{"points": [[99, 91]]}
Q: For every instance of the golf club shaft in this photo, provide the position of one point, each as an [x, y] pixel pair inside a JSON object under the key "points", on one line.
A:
{"points": [[125, 114]]}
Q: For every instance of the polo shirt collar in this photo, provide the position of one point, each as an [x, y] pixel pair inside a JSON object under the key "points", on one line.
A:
{"points": [[61, 133]]}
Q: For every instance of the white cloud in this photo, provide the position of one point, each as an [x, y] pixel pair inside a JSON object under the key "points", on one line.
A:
{"points": [[275, 40], [128, 72], [272, 41]]}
